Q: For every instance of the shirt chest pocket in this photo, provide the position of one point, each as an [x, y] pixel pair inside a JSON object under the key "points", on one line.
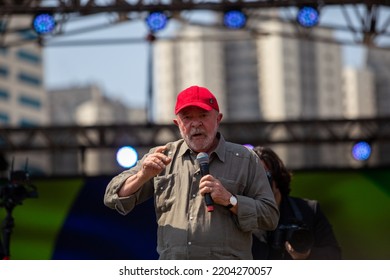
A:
{"points": [[164, 191]]}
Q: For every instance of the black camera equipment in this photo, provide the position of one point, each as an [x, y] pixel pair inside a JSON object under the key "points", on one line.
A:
{"points": [[295, 232], [13, 191]]}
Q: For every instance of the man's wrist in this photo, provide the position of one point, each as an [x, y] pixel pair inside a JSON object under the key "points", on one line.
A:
{"points": [[232, 202]]}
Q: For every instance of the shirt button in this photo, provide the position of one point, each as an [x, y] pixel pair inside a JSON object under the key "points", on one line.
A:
{"points": [[193, 195], [191, 218], [189, 243]]}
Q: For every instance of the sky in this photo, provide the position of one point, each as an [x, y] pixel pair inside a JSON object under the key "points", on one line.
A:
{"points": [[121, 69]]}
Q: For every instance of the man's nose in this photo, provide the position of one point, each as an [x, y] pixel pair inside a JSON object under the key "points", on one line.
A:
{"points": [[197, 123]]}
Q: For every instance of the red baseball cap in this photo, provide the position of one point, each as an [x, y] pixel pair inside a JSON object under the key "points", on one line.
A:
{"points": [[196, 96]]}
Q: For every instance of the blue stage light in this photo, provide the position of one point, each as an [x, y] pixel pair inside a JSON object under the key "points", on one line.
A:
{"points": [[156, 21], [234, 19], [308, 16], [361, 151], [127, 156], [43, 23]]}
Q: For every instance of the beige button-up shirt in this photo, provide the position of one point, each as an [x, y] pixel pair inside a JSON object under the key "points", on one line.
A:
{"points": [[185, 229]]}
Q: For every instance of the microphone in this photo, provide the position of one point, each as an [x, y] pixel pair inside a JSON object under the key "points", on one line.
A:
{"points": [[203, 160]]}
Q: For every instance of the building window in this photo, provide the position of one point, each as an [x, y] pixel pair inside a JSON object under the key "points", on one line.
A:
{"points": [[29, 79], [27, 123], [3, 51], [4, 94], [29, 57], [30, 102], [3, 26], [4, 118], [28, 34], [4, 71]]}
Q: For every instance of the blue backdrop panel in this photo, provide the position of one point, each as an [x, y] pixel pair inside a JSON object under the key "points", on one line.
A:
{"points": [[93, 231]]}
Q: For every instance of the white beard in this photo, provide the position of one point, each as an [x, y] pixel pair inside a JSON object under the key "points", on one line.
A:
{"points": [[196, 145]]}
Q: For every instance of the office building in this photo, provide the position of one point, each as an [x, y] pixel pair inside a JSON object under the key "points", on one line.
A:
{"points": [[378, 61], [177, 65], [23, 99], [359, 93], [88, 106]]}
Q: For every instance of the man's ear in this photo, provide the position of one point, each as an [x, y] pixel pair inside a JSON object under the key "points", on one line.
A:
{"points": [[175, 122], [219, 118]]}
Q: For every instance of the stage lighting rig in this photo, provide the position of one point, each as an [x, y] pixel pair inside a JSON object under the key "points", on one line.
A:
{"points": [[156, 21], [234, 19], [308, 16], [361, 151], [43, 23], [127, 156]]}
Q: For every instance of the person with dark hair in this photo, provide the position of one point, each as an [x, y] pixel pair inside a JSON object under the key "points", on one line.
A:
{"points": [[181, 174], [303, 231]]}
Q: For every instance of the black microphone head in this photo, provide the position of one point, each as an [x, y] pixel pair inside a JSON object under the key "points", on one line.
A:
{"points": [[202, 158]]}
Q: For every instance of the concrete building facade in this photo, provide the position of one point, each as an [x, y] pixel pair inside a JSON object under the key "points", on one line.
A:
{"points": [[88, 106], [23, 98]]}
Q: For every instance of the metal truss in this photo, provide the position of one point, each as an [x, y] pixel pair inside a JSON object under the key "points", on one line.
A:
{"points": [[365, 26], [314, 132], [97, 6]]}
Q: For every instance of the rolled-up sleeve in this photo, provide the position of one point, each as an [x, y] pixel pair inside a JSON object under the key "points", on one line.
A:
{"points": [[257, 208], [254, 215], [124, 205]]}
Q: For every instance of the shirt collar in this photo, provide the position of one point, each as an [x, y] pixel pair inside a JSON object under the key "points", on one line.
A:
{"points": [[220, 150], [184, 149]]}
